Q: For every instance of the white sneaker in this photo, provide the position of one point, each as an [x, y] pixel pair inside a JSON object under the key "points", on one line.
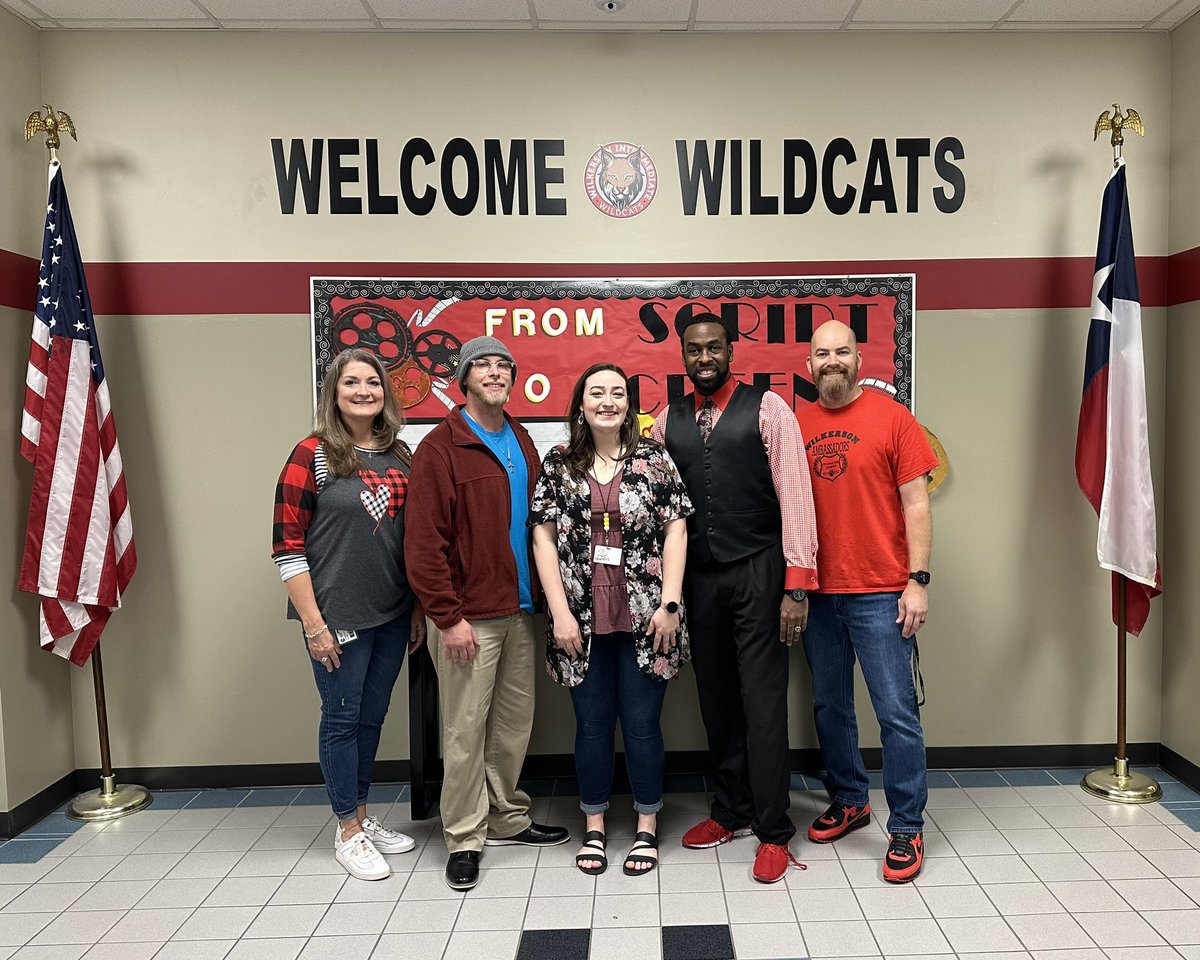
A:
{"points": [[359, 856], [387, 840]]}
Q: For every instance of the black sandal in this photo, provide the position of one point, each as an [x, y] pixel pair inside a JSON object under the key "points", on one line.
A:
{"points": [[593, 840], [641, 841]]}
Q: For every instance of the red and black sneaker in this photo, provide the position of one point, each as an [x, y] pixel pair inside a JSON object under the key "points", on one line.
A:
{"points": [[904, 857], [837, 821]]}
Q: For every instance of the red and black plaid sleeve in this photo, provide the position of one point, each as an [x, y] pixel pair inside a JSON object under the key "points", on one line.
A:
{"points": [[295, 499]]}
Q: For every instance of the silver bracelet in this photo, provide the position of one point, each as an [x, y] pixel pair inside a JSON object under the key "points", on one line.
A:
{"points": [[313, 636]]}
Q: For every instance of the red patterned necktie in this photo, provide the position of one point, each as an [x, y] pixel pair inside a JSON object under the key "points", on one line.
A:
{"points": [[705, 420]]}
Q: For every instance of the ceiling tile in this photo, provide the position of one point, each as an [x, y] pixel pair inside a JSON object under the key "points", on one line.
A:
{"points": [[1089, 11], [922, 26], [742, 26], [772, 11], [442, 12], [287, 10], [665, 26], [330, 25], [120, 9], [637, 12], [23, 9], [73, 23], [457, 24], [930, 12]]}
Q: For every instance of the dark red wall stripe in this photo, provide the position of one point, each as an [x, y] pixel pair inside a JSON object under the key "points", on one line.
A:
{"points": [[134, 289]]}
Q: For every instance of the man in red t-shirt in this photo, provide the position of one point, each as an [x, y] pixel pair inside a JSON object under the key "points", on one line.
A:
{"points": [[869, 460]]}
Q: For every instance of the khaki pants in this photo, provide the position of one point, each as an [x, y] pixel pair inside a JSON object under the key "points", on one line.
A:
{"points": [[487, 716]]}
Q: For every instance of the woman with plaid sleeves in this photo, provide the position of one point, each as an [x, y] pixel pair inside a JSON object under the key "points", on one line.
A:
{"points": [[339, 545]]}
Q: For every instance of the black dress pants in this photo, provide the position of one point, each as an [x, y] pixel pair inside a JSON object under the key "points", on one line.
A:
{"points": [[742, 677]]}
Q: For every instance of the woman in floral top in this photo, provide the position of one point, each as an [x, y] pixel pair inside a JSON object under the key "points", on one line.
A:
{"points": [[609, 540]]}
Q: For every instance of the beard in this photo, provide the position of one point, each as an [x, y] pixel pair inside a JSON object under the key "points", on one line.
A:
{"points": [[495, 401], [835, 385], [711, 387]]}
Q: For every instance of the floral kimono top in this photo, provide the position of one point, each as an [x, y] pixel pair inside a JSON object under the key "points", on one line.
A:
{"points": [[651, 494]]}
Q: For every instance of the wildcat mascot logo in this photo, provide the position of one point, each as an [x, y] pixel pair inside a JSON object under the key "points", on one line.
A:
{"points": [[621, 179]]}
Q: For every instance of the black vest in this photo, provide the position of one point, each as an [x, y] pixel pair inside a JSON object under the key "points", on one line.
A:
{"points": [[728, 479]]}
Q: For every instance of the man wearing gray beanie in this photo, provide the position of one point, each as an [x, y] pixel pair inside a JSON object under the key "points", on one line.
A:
{"points": [[468, 557], [472, 350]]}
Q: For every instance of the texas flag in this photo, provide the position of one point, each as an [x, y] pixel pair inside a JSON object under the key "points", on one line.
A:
{"points": [[1112, 452]]}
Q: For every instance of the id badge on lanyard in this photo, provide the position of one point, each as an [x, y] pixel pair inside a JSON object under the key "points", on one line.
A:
{"points": [[609, 556]]}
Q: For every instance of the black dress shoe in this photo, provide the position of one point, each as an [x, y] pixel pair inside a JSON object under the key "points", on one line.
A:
{"points": [[462, 869], [534, 835]]}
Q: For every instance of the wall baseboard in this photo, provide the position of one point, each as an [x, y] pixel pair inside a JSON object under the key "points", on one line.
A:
{"points": [[25, 815], [544, 766]]}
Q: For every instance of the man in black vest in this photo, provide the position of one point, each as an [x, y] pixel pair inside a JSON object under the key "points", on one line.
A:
{"points": [[752, 547]]}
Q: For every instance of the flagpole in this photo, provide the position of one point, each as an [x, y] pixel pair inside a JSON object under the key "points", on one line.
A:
{"points": [[1119, 784], [111, 800]]}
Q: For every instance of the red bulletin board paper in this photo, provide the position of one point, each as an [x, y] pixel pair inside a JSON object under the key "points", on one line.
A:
{"points": [[556, 328]]}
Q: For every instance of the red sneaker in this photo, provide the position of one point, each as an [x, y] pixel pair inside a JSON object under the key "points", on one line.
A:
{"points": [[711, 834], [904, 857], [771, 862], [837, 821]]}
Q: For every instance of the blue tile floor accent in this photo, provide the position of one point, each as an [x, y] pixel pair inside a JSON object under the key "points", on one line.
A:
{"points": [[382, 793], [941, 778], [1173, 791], [53, 825], [1028, 778], [311, 797], [1068, 776], [978, 778], [173, 799], [27, 851], [274, 797], [1188, 815], [218, 798]]}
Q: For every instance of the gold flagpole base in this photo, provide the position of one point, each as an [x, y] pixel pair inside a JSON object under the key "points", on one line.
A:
{"points": [[1122, 786], [109, 802]]}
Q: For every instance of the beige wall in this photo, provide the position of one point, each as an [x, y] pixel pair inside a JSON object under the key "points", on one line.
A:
{"points": [[1181, 649], [35, 702], [202, 668]]}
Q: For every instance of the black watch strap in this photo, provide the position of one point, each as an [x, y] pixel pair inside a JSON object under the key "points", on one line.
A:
{"points": [[799, 594], [921, 576]]}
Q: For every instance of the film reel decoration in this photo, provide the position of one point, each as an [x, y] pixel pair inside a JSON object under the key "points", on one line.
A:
{"points": [[410, 384], [436, 352], [374, 327]]}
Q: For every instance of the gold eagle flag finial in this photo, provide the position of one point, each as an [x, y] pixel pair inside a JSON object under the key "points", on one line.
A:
{"points": [[1118, 124], [52, 125]]}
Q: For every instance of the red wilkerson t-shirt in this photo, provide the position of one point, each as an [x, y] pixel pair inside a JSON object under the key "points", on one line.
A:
{"points": [[859, 455]]}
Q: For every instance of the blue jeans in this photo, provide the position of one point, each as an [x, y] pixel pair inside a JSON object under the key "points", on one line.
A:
{"points": [[354, 701], [842, 626], [612, 687]]}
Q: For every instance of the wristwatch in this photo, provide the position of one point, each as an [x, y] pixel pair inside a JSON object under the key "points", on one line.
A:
{"points": [[921, 576], [671, 606], [799, 594]]}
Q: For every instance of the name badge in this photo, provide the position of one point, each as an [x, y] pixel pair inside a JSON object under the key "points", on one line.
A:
{"points": [[609, 556]]}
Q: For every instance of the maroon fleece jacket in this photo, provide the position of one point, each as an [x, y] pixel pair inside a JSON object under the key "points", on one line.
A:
{"points": [[456, 546]]}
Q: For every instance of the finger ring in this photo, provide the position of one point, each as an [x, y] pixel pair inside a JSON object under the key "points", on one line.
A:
{"points": [[797, 629], [324, 659]]}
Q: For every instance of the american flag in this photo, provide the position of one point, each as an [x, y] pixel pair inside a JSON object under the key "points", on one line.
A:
{"points": [[79, 551]]}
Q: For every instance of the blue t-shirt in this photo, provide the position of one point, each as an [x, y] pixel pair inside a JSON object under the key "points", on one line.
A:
{"points": [[508, 451]]}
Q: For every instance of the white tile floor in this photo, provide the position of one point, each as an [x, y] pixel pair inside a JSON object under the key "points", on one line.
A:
{"points": [[1042, 872]]}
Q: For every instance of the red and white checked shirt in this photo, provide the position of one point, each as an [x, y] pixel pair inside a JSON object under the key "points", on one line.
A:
{"points": [[784, 446]]}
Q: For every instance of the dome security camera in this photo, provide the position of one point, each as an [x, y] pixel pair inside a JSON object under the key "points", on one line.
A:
{"points": [[610, 6]]}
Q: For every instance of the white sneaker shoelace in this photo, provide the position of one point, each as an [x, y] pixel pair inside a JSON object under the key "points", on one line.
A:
{"points": [[387, 840]]}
